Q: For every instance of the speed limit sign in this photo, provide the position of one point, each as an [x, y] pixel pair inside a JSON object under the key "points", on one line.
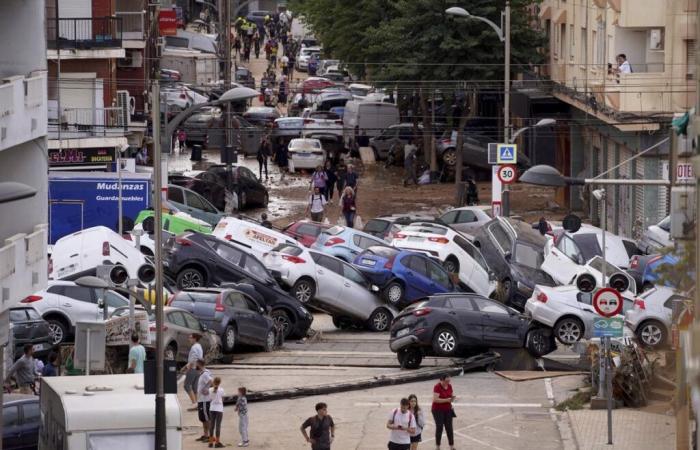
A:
{"points": [[507, 174]]}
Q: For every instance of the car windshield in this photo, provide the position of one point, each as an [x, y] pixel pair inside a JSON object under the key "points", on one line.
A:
{"points": [[598, 262], [305, 143], [427, 228], [528, 255], [665, 224], [376, 226], [385, 252]]}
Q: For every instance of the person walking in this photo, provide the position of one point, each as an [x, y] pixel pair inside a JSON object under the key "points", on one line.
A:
{"points": [[23, 370], [331, 178], [51, 368], [282, 158], [319, 179], [402, 424], [137, 355], [204, 383], [420, 421], [190, 369], [242, 409], [216, 413], [341, 173], [409, 164], [352, 179], [256, 44], [349, 208], [182, 139], [443, 413], [316, 205], [237, 45], [321, 429], [264, 152]]}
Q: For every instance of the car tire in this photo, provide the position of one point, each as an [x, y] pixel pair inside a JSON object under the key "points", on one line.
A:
{"points": [[568, 330], [282, 318], [451, 265], [229, 339], [538, 343], [380, 320], [409, 358], [58, 331], [304, 290], [170, 353], [190, 278], [445, 341], [394, 293], [449, 157], [270, 341], [651, 334]]}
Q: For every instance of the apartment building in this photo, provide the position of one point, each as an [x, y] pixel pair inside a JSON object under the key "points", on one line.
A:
{"points": [[23, 146], [617, 113]]}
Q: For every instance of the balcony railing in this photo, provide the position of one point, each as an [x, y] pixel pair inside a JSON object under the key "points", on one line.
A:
{"points": [[84, 122], [132, 24], [22, 109], [87, 33], [23, 266]]}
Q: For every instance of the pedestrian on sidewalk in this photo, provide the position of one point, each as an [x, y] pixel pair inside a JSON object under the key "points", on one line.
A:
{"points": [[341, 173], [216, 413], [204, 383], [256, 43], [316, 205], [190, 369], [409, 163], [284, 63], [442, 410], [321, 429], [137, 355], [23, 371], [264, 152], [402, 424], [352, 179], [246, 56], [420, 420], [182, 139], [331, 178], [349, 208], [237, 45], [319, 179], [242, 409], [282, 158]]}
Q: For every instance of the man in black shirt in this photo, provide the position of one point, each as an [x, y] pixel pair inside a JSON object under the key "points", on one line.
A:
{"points": [[322, 429]]}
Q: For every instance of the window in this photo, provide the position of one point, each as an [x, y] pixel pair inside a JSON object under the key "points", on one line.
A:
{"points": [[656, 39], [376, 226], [450, 217], [461, 303], [330, 264], [32, 412], [176, 318], [229, 253], [438, 274], [192, 322], [18, 315], [562, 41], [501, 237], [488, 306], [237, 300], [253, 267], [528, 256], [33, 314], [175, 195], [690, 59], [10, 416], [570, 249], [583, 44], [418, 264], [306, 229], [354, 275], [114, 300], [193, 200], [366, 242], [79, 293], [467, 216], [572, 42], [472, 251]]}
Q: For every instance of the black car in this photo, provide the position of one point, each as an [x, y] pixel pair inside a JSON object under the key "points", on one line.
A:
{"points": [[242, 181], [208, 129], [515, 252], [213, 191], [262, 116], [197, 260], [29, 328], [21, 416], [233, 314], [458, 324], [245, 77]]}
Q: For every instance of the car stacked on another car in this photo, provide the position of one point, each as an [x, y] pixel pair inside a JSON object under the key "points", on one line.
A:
{"points": [[386, 227], [250, 235], [467, 219], [344, 242], [193, 204], [29, 328], [242, 181], [305, 231], [650, 318]]}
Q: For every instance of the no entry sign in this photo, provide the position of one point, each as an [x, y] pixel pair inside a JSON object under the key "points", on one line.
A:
{"points": [[507, 174], [607, 302]]}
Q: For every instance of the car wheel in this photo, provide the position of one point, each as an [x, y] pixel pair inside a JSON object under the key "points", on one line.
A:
{"points": [[651, 333], [538, 343], [449, 157], [380, 320], [304, 290], [229, 339], [410, 358], [394, 292], [170, 352], [282, 319], [58, 331], [445, 341], [190, 278], [451, 265], [568, 330], [270, 341]]}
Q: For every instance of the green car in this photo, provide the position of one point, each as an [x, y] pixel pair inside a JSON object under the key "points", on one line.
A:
{"points": [[176, 222]]}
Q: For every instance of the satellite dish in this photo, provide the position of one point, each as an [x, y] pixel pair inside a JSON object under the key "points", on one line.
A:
{"points": [[572, 223]]}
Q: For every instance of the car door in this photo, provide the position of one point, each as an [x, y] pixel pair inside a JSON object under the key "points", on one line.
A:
{"points": [[254, 189], [439, 278], [176, 322], [356, 295], [417, 276], [113, 300], [259, 323], [469, 320], [31, 418], [80, 303], [193, 205], [467, 221], [479, 278], [563, 261], [12, 429], [243, 316], [501, 325], [450, 218], [329, 278], [228, 263]]}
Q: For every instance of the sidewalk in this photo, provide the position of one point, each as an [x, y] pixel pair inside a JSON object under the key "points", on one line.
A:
{"points": [[632, 430]]}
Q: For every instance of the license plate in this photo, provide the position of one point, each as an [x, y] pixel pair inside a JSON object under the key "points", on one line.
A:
{"points": [[38, 347], [367, 262], [415, 239], [304, 154], [402, 332]]}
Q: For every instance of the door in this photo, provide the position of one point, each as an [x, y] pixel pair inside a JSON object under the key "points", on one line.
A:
{"points": [[479, 278], [31, 418], [181, 333], [228, 263], [563, 261], [356, 296], [12, 429], [329, 278], [258, 322], [469, 320], [501, 327], [256, 191], [243, 315], [195, 207], [439, 278], [80, 303], [467, 222], [417, 277], [113, 301]]}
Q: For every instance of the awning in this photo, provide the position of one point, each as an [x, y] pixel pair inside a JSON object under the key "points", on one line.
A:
{"points": [[546, 13], [560, 17]]}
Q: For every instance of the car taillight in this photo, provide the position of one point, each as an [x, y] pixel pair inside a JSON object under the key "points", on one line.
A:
{"points": [[333, 241], [542, 297], [219, 306], [183, 241], [105, 248], [439, 240], [228, 237], [634, 262], [639, 303], [399, 236], [31, 299], [308, 121], [389, 264], [422, 312], [293, 259]]}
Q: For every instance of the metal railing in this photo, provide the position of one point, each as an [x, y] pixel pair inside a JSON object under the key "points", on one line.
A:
{"points": [[132, 24], [84, 33], [95, 121], [6, 99]]}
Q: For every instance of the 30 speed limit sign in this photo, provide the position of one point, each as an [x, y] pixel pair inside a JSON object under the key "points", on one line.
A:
{"points": [[507, 174]]}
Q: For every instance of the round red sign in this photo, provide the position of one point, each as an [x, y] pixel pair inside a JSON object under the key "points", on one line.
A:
{"points": [[507, 174], [607, 302]]}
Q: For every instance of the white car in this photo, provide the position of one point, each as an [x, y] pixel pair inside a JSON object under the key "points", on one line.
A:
{"points": [[651, 317], [567, 311], [360, 91], [456, 253], [250, 235], [181, 97], [78, 254], [656, 237], [330, 285], [467, 219], [326, 64], [306, 153], [613, 273], [323, 124], [304, 56]]}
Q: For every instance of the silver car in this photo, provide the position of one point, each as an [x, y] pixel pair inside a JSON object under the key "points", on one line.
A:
{"points": [[656, 237], [651, 317], [396, 135], [194, 204], [467, 219]]}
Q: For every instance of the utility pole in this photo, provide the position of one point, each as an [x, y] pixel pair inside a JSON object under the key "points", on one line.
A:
{"points": [[505, 198], [226, 32]]}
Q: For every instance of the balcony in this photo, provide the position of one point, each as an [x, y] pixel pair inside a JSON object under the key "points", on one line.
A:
{"points": [[641, 13], [640, 93], [85, 33], [133, 25], [78, 123], [22, 109], [23, 266]]}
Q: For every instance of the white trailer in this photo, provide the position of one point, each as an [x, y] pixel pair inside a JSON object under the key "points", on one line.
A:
{"points": [[103, 412], [369, 117], [196, 67]]}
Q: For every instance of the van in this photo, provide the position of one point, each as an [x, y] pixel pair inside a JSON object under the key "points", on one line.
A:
{"points": [[370, 117], [250, 235], [78, 413]]}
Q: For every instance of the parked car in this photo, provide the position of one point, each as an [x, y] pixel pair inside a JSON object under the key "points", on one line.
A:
{"points": [[208, 129], [461, 325], [656, 237], [474, 152], [386, 227], [337, 74], [262, 116], [285, 129], [454, 251], [211, 190], [651, 316], [306, 153], [250, 235], [249, 190], [638, 266], [194, 204], [63, 303], [197, 260], [325, 64], [467, 219], [568, 311], [323, 124], [245, 77], [21, 415], [402, 275], [29, 328], [330, 285], [329, 99], [305, 231], [344, 243], [360, 91], [180, 97], [396, 135], [232, 314], [173, 222], [304, 56], [514, 251]]}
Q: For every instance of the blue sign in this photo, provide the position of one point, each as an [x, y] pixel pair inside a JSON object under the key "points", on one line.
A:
{"points": [[507, 154], [608, 327]]}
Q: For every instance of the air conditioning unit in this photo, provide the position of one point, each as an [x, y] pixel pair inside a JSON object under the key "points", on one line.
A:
{"points": [[127, 104]]}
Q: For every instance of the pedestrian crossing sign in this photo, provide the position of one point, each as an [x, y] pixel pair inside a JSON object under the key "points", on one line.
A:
{"points": [[507, 154]]}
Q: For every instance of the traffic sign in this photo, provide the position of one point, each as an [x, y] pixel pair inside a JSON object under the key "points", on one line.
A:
{"points": [[507, 154], [496, 209], [607, 302], [608, 327], [507, 174]]}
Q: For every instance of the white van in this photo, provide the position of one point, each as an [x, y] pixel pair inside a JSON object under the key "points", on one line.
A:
{"points": [[79, 254], [103, 412], [370, 117], [251, 236]]}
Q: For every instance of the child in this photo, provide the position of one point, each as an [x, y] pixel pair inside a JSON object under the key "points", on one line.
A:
{"points": [[216, 413], [242, 408]]}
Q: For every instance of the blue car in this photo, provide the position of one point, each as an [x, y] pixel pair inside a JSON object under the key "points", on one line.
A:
{"points": [[344, 243], [403, 276], [651, 275]]}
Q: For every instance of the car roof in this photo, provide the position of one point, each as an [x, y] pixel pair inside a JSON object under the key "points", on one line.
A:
{"points": [[9, 399]]}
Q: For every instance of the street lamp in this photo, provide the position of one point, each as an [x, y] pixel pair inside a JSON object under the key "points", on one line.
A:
{"points": [[544, 175], [541, 123]]}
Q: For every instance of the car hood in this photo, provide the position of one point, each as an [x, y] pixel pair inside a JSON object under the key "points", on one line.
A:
{"points": [[531, 277]]}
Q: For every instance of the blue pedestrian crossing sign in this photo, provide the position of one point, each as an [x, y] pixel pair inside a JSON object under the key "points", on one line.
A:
{"points": [[507, 154]]}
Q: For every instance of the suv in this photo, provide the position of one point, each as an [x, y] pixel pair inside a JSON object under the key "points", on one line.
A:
{"points": [[232, 314], [29, 328], [344, 242], [399, 134], [63, 303]]}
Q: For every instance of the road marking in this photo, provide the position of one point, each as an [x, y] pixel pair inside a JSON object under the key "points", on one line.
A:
{"points": [[550, 391], [481, 422], [485, 444], [515, 435], [466, 405]]}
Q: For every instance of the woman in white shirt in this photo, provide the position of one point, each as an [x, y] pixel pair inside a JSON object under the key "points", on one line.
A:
{"points": [[216, 413]]}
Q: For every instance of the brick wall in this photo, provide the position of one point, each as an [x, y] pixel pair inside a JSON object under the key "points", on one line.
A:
{"points": [[106, 69], [103, 8]]}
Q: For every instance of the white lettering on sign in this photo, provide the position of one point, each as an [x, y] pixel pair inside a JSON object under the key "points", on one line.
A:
{"points": [[115, 186]]}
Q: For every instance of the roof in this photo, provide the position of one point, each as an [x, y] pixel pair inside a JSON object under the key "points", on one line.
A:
{"points": [[18, 398]]}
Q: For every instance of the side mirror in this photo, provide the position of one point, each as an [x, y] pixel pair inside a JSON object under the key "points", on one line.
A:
{"points": [[101, 303]]}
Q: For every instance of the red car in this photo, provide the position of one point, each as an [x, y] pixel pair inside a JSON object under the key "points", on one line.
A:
{"points": [[305, 231], [313, 84]]}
